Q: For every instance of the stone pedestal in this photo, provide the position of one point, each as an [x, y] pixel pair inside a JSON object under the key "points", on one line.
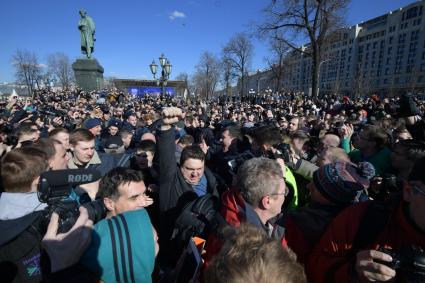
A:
{"points": [[88, 74]]}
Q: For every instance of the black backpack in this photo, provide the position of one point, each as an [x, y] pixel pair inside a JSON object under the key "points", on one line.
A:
{"points": [[197, 218]]}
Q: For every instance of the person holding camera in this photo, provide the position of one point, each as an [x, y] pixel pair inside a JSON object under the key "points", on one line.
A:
{"points": [[404, 154], [265, 142], [333, 187], [368, 242], [21, 213]]}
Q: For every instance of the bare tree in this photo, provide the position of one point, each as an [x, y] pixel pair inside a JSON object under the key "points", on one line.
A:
{"points": [[363, 82], [227, 74], [59, 66], [28, 70], [239, 51], [185, 78], [310, 21], [207, 75], [279, 50]]}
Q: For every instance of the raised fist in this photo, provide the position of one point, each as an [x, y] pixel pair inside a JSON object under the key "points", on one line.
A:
{"points": [[171, 115]]}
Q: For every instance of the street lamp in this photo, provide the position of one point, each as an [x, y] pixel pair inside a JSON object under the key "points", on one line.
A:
{"points": [[259, 79], [318, 75], [165, 71]]}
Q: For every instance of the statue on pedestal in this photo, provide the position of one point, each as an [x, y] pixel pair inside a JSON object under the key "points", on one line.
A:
{"points": [[87, 29]]}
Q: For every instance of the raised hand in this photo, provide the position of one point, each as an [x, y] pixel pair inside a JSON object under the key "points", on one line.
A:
{"points": [[171, 115]]}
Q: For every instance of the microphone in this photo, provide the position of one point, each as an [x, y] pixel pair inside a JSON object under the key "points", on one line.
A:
{"points": [[58, 183]]}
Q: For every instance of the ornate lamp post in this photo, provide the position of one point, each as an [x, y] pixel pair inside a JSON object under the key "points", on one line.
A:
{"points": [[165, 71]]}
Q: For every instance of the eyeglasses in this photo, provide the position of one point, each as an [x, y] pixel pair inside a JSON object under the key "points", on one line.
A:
{"points": [[285, 193], [417, 189]]}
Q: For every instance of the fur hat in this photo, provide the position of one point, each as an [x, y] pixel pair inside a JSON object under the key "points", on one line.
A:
{"points": [[342, 182]]}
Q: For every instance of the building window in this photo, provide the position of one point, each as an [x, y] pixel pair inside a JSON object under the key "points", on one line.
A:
{"points": [[412, 13]]}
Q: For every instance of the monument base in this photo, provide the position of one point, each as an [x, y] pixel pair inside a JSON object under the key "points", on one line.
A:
{"points": [[88, 74]]}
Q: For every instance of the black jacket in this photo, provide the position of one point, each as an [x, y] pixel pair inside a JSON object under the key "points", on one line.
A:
{"points": [[174, 194], [20, 246], [174, 191]]}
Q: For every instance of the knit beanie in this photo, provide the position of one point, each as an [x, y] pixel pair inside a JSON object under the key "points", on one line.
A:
{"points": [[122, 248], [92, 122], [341, 182]]}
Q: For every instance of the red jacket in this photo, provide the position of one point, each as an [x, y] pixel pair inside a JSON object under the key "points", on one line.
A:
{"points": [[235, 211], [332, 259], [305, 226]]}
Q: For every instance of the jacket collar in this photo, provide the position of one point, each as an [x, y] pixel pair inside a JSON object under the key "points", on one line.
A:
{"points": [[95, 160]]}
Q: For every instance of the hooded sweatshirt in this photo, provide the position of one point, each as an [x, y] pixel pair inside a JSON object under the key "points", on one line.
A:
{"points": [[20, 220]]}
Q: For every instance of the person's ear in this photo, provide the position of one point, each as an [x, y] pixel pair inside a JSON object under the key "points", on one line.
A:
{"points": [[265, 202], [109, 204], [34, 184]]}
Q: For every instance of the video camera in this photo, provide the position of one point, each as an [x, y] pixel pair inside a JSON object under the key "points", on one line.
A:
{"points": [[282, 151], [50, 111], [236, 161], [60, 190], [409, 262]]}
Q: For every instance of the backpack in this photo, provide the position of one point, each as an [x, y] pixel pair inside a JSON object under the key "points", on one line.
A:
{"points": [[197, 218]]}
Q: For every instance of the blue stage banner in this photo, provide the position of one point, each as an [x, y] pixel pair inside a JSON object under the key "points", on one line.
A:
{"points": [[152, 91]]}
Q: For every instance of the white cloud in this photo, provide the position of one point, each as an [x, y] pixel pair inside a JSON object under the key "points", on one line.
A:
{"points": [[176, 14]]}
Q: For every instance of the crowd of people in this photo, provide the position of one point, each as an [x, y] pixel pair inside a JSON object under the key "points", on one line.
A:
{"points": [[281, 187]]}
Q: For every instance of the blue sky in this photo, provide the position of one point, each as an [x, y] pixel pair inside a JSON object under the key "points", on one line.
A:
{"points": [[132, 33]]}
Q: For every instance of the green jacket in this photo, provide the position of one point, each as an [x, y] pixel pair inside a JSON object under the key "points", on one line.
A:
{"points": [[380, 160]]}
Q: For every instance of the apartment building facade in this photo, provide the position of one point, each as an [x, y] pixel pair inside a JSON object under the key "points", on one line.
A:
{"points": [[384, 55]]}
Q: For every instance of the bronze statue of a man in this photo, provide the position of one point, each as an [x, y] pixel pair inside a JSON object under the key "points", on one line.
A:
{"points": [[87, 29]]}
